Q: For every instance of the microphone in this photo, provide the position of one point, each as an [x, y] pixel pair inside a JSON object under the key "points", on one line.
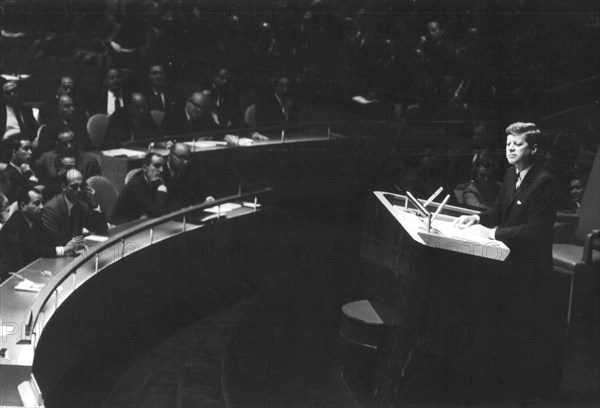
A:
{"points": [[433, 196], [439, 209]]}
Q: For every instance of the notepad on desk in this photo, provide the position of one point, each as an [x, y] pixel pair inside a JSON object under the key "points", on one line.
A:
{"points": [[29, 286], [96, 238], [224, 208]]}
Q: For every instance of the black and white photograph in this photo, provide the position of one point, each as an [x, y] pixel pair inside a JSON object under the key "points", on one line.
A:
{"points": [[299, 203]]}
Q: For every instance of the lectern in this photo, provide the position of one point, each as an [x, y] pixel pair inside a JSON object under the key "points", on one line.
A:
{"points": [[459, 340]]}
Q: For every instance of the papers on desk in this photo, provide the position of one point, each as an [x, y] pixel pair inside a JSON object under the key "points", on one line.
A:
{"points": [[225, 208], [28, 286], [131, 154]]}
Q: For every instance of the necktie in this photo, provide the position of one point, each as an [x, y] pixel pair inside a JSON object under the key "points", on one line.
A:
{"points": [[117, 102], [20, 120], [517, 180]]}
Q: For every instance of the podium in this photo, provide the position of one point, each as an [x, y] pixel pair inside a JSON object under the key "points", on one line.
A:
{"points": [[468, 331]]}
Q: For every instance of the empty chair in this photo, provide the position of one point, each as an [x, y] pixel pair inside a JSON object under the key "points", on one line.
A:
{"points": [[106, 194], [96, 127], [157, 116], [250, 115], [580, 257], [130, 174]]}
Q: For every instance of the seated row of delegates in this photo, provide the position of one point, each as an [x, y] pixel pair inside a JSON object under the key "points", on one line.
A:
{"points": [[162, 186]]}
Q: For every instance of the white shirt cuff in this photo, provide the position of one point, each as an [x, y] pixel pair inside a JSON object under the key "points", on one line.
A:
{"points": [[60, 251], [162, 188]]}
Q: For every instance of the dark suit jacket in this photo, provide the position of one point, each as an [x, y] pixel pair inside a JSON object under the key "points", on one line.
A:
{"points": [[228, 109], [47, 166], [12, 180], [29, 122], [138, 198], [49, 134], [269, 112], [171, 95], [97, 102], [176, 122], [64, 227], [121, 128], [21, 245], [525, 220]]}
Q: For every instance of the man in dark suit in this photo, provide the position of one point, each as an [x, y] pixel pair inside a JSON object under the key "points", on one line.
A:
{"points": [[194, 116], [65, 88], [277, 107], [184, 177], [67, 118], [226, 110], [24, 238], [74, 209], [18, 173], [146, 193], [48, 165], [523, 218], [16, 118], [132, 122], [159, 93], [111, 97]]}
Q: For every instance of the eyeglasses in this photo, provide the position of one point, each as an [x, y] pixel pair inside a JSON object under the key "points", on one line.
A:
{"points": [[77, 186]]}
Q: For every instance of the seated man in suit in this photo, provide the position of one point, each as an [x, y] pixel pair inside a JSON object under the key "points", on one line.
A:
{"points": [[67, 118], [16, 118], [226, 112], [65, 88], [111, 97], [277, 107], [194, 116], [18, 173], [130, 123], [158, 91], [24, 238], [74, 209], [48, 165], [183, 177], [523, 218], [146, 194]]}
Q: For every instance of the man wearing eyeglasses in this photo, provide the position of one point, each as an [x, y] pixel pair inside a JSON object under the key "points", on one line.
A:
{"points": [[68, 213], [181, 179]]}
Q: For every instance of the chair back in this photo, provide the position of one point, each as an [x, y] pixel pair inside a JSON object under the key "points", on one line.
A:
{"points": [[96, 127], [250, 115], [157, 117], [130, 174], [589, 211], [106, 194]]}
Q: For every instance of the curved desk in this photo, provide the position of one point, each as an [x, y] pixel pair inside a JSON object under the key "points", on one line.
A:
{"points": [[28, 318]]}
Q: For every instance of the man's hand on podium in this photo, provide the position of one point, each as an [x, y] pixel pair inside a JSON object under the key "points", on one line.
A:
{"points": [[481, 231], [465, 221]]}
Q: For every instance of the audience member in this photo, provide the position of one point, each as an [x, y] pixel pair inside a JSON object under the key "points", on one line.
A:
{"points": [[277, 107], [159, 92], [48, 109], [68, 213], [132, 122], [111, 96], [18, 174], [146, 193], [16, 118], [66, 154], [481, 192], [576, 190], [182, 176], [194, 116], [67, 118], [227, 113], [24, 238]]}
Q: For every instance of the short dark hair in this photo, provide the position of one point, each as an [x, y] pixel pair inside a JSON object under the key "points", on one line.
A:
{"points": [[533, 136], [148, 157], [22, 194], [13, 143]]}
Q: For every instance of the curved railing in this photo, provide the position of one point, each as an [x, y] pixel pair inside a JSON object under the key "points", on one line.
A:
{"points": [[50, 290]]}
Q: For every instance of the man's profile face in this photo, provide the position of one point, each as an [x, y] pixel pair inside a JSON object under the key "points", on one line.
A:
{"points": [[221, 79], [518, 151], [576, 189], [433, 31], [157, 76], [33, 209], [196, 106], [138, 106], [180, 158], [23, 155], [10, 93], [282, 88]]}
